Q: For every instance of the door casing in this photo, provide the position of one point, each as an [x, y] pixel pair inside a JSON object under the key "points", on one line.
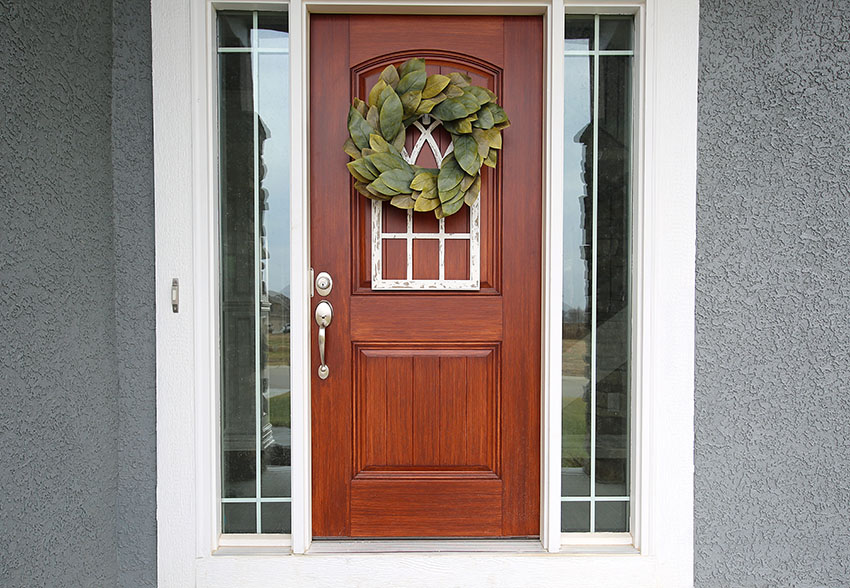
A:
{"points": [[187, 491]]}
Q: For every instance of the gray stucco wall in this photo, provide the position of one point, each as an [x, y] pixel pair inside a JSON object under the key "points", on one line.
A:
{"points": [[773, 295], [77, 369], [135, 310], [77, 366]]}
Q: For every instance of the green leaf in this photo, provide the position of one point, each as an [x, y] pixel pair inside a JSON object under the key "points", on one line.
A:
{"points": [[490, 137], [459, 79], [386, 93], [449, 195], [430, 193], [398, 180], [499, 115], [360, 170], [358, 128], [388, 161], [398, 142], [410, 101], [451, 109], [472, 193], [372, 117], [369, 165], [416, 64], [434, 85], [427, 105], [422, 180], [351, 149], [470, 102], [411, 82], [466, 152], [360, 107], [403, 201], [485, 119], [391, 115], [467, 182], [364, 189], [457, 127], [491, 158], [426, 204], [450, 174], [451, 207], [380, 145], [483, 142], [480, 94], [375, 92], [390, 76], [453, 91], [379, 186]]}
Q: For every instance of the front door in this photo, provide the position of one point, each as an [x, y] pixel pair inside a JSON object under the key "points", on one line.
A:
{"points": [[428, 422]]}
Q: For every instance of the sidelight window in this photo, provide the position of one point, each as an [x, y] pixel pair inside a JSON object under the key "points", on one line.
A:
{"points": [[254, 156], [597, 299]]}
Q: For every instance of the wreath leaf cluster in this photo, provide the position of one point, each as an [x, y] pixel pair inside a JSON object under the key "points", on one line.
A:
{"points": [[377, 131]]}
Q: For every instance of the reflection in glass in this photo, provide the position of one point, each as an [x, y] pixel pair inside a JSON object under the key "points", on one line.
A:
{"points": [[596, 309], [240, 517], [612, 282], [234, 29], [277, 517], [612, 517], [238, 299], [578, 162], [615, 33], [578, 33], [575, 517], [255, 275]]}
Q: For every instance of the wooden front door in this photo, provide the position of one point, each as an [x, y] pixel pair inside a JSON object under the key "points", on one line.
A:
{"points": [[428, 424]]}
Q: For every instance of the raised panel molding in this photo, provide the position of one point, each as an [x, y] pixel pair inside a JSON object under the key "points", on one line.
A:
{"points": [[426, 412]]}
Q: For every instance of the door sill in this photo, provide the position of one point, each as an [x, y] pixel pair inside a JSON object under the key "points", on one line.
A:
{"points": [[323, 546]]}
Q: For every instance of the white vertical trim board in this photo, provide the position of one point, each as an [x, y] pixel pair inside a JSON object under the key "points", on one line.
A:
{"points": [[191, 550]]}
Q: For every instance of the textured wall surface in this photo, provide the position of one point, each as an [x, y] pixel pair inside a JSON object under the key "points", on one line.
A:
{"points": [[77, 367], [58, 378], [135, 313], [772, 481]]}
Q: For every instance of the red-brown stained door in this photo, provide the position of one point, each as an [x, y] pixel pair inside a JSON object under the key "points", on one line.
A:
{"points": [[429, 422]]}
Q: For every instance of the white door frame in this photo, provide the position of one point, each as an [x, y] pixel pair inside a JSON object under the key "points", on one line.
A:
{"points": [[190, 550]]}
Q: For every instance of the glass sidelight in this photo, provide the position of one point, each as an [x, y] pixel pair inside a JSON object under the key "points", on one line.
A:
{"points": [[596, 304], [254, 155]]}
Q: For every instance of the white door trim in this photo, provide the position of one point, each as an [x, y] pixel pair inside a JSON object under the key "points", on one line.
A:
{"points": [[187, 439]]}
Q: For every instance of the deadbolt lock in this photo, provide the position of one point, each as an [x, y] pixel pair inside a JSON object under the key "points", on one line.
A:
{"points": [[324, 284]]}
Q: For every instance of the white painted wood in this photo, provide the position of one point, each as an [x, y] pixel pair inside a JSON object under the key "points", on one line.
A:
{"points": [[426, 129], [301, 288], [494, 570], [175, 334], [553, 256], [187, 419]]}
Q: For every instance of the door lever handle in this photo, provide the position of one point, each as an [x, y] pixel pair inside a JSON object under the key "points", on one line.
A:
{"points": [[324, 315]]}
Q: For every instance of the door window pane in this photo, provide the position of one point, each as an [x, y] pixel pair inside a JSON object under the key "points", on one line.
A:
{"points": [[596, 305], [254, 138]]}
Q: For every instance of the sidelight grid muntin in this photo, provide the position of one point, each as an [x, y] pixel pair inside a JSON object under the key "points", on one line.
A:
{"points": [[380, 237], [261, 265], [592, 499]]}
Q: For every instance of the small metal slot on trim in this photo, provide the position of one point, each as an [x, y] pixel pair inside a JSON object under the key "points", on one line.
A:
{"points": [[175, 295]]}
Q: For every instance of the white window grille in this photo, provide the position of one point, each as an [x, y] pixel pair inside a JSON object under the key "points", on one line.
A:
{"points": [[426, 127]]}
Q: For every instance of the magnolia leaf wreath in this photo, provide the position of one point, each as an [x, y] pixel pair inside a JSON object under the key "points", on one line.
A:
{"points": [[378, 128]]}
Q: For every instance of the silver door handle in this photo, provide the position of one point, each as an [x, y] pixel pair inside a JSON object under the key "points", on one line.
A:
{"points": [[324, 314]]}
